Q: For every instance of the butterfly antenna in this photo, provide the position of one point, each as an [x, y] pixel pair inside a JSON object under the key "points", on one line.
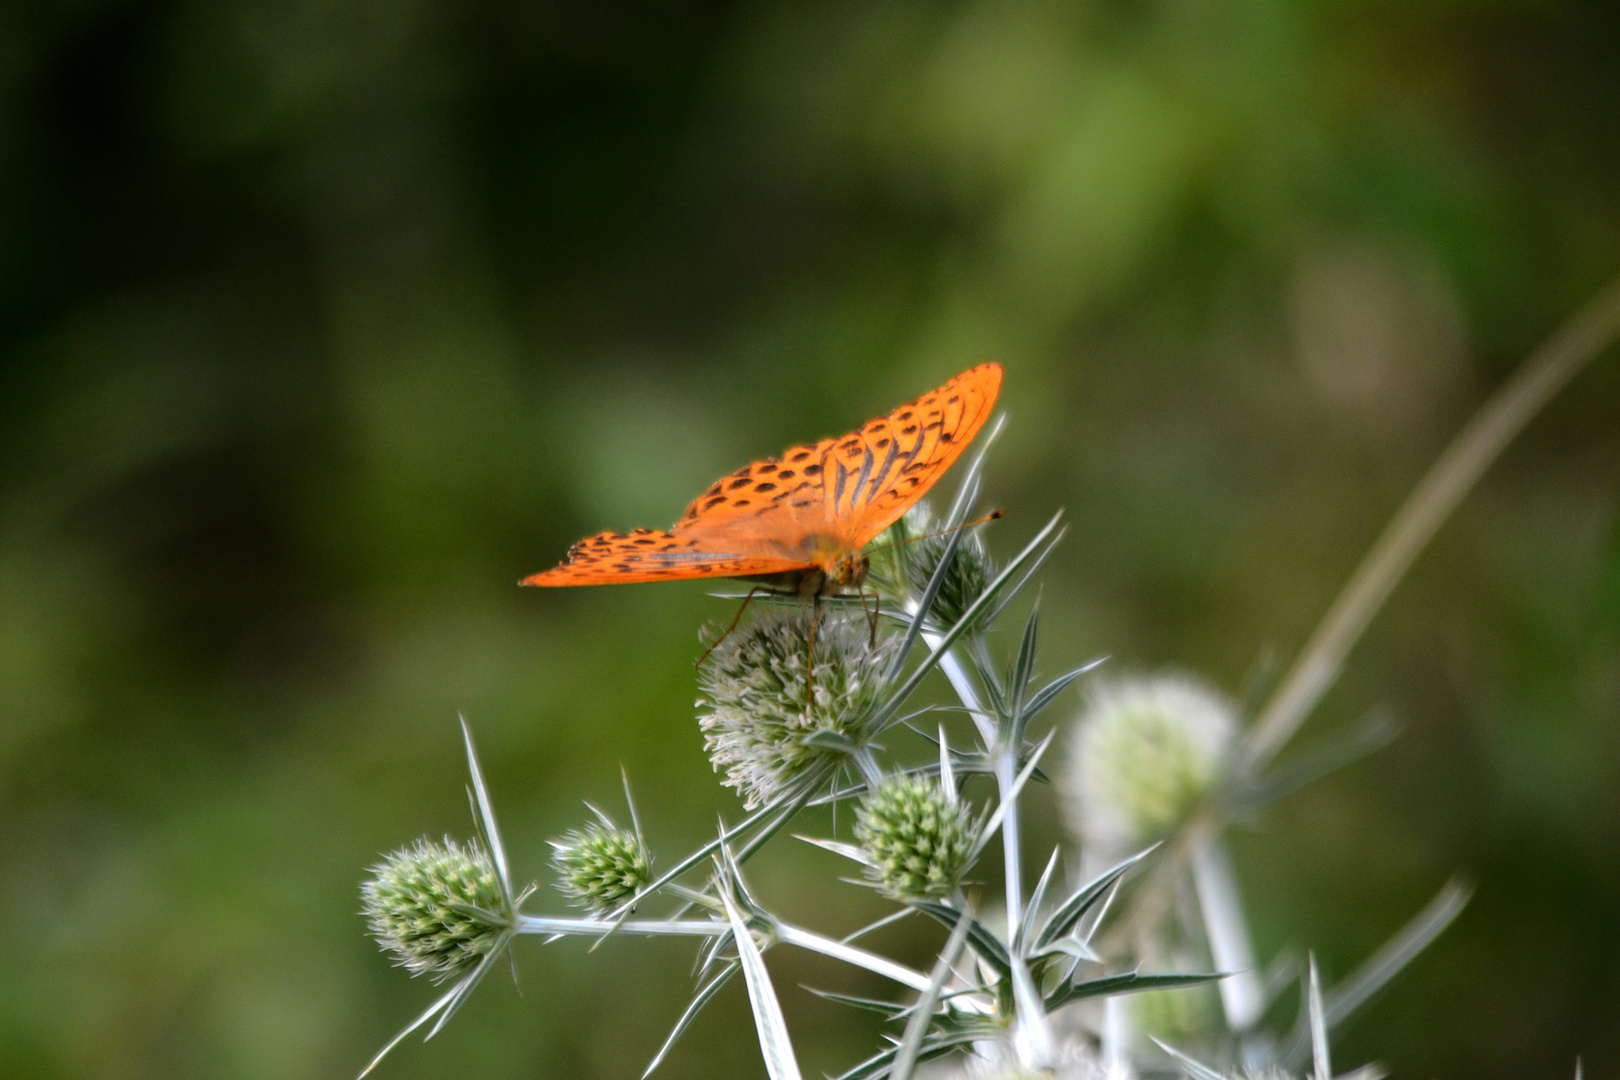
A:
{"points": [[991, 516], [734, 620]]}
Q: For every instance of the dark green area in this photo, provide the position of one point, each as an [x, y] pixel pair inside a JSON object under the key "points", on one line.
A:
{"points": [[324, 321]]}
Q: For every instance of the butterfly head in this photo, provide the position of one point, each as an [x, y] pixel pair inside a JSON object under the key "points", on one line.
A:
{"points": [[846, 570]]}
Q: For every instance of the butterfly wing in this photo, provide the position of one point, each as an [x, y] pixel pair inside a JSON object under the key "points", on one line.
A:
{"points": [[794, 512], [877, 473], [649, 555]]}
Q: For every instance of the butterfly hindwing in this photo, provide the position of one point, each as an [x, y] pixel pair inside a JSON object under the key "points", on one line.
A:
{"points": [[650, 555]]}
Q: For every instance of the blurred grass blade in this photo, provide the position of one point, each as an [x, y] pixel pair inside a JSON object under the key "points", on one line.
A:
{"points": [[1399, 951], [905, 1057], [1383, 965], [1548, 370]]}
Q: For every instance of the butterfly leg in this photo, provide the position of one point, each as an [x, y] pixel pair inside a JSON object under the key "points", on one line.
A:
{"points": [[734, 620], [873, 615]]}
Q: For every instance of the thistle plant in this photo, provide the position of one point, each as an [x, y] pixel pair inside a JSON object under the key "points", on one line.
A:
{"points": [[438, 908], [1158, 768], [917, 837], [600, 865], [766, 722]]}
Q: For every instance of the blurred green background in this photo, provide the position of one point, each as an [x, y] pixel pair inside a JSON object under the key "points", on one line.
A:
{"points": [[326, 320]]}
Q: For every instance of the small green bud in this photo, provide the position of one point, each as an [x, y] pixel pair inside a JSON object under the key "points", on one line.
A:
{"points": [[1145, 752], [439, 908], [918, 839], [599, 866], [905, 567], [760, 726]]}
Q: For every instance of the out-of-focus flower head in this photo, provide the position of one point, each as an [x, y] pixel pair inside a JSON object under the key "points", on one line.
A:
{"points": [[1144, 752]]}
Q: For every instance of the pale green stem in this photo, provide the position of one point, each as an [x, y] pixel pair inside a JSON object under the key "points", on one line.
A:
{"points": [[789, 934], [546, 924], [786, 933], [1242, 996], [1590, 331], [1032, 1035]]}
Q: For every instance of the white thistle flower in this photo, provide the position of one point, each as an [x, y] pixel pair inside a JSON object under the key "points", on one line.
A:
{"points": [[760, 727], [1143, 753]]}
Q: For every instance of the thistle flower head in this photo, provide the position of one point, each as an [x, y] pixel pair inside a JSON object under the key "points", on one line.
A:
{"points": [[1175, 1014], [600, 865], [439, 908], [1144, 752], [760, 724], [918, 839], [915, 548], [1071, 1060]]}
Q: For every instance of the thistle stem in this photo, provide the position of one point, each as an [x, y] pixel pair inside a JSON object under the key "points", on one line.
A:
{"points": [[786, 933], [789, 934], [1032, 1035], [550, 925]]}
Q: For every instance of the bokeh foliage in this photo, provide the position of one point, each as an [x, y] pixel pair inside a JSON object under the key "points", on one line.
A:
{"points": [[325, 320]]}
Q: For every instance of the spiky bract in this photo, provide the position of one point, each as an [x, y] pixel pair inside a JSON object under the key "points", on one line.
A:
{"points": [[758, 714], [917, 838], [1145, 751], [439, 908], [599, 866]]}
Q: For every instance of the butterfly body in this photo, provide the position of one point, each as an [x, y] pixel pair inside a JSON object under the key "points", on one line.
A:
{"points": [[800, 522]]}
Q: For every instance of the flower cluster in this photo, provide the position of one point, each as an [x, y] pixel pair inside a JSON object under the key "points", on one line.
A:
{"points": [[439, 908], [1145, 751], [917, 838], [599, 866], [767, 718]]}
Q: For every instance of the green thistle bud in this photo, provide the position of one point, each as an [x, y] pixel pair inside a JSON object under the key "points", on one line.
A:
{"points": [[599, 866], [918, 839], [905, 568], [760, 726], [1145, 751], [439, 908]]}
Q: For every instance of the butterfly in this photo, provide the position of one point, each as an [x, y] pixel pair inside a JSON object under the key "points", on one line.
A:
{"points": [[800, 522]]}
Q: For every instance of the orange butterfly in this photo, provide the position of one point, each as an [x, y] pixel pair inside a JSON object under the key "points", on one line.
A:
{"points": [[800, 521]]}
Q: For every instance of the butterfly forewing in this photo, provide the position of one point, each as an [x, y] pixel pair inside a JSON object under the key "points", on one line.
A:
{"points": [[796, 511], [650, 555], [891, 462]]}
